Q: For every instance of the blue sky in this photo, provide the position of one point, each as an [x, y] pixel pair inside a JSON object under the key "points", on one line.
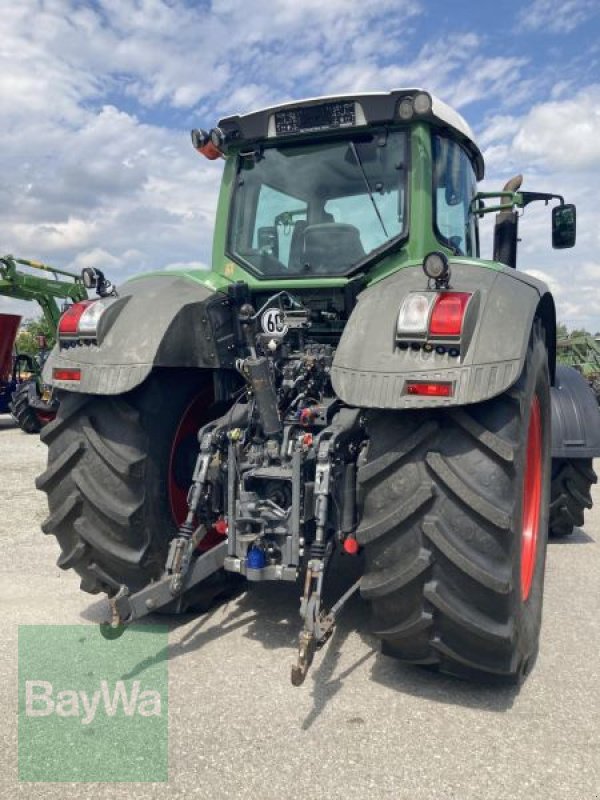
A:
{"points": [[97, 99]]}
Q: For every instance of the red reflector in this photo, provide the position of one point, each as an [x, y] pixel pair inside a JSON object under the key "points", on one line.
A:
{"points": [[430, 389], [70, 319], [221, 527], [351, 546], [66, 374], [448, 312]]}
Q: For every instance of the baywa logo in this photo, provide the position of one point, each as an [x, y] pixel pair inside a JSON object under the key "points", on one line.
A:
{"points": [[40, 702], [92, 709]]}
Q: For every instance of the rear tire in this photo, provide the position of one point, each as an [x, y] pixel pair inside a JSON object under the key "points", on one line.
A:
{"points": [[110, 477], [24, 414], [572, 480], [454, 542]]}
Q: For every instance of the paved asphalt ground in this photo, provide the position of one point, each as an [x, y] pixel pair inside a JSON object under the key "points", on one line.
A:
{"points": [[362, 726]]}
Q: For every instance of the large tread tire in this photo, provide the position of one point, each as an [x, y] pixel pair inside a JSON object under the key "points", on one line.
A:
{"points": [[441, 525], [108, 477], [572, 480], [23, 413]]}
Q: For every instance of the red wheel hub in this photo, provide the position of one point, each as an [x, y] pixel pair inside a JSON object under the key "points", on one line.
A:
{"points": [[532, 497], [181, 464]]}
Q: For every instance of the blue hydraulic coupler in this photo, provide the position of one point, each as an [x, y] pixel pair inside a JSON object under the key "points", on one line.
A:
{"points": [[255, 559]]}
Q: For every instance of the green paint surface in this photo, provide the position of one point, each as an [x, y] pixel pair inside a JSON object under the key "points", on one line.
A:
{"points": [[64, 670]]}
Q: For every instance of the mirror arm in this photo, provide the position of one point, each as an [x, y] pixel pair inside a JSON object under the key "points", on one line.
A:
{"points": [[532, 197], [520, 199]]}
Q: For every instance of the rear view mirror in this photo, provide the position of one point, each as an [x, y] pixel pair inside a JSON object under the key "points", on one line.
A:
{"points": [[564, 223]]}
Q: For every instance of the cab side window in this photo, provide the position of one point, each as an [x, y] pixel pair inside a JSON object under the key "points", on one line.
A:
{"points": [[454, 187]]}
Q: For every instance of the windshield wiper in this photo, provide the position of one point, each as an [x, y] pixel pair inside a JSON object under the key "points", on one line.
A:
{"points": [[385, 249], [366, 180]]}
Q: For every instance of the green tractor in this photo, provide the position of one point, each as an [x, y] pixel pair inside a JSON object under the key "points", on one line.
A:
{"points": [[350, 376], [32, 402]]}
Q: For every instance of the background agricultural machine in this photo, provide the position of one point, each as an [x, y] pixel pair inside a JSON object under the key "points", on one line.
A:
{"points": [[350, 376], [582, 352], [11, 366], [22, 390]]}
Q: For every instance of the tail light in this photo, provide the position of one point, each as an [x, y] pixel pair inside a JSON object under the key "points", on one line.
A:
{"points": [[432, 314], [66, 374], [448, 313], [81, 319], [414, 313], [440, 389], [88, 321], [68, 323]]}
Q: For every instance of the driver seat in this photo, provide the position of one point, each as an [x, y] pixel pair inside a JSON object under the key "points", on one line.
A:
{"points": [[332, 245]]}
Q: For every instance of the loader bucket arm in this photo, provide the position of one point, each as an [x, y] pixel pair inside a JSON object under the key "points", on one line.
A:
{"points": [[43, 290]]}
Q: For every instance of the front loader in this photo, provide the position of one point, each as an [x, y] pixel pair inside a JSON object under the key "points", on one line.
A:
{"points": [[350, 375]]}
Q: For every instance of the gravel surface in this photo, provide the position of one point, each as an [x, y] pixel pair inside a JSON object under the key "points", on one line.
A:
{"points": [[362, 726]]}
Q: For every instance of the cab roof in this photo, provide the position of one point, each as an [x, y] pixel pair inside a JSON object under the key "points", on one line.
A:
{"points": [[344, 112]]}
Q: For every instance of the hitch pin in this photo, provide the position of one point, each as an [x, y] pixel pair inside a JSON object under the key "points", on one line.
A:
{"points": [[115, 627]]}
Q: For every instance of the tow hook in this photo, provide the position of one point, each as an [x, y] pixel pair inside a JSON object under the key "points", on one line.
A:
{"points": [[318, 624]]}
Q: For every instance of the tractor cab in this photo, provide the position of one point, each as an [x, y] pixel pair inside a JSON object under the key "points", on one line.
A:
{"points": [[330, 187], [337, 186]]}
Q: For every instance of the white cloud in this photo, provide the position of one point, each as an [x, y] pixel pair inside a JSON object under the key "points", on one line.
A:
{"points": [[499, 76], [451, 66], [571, 291], [100, 258], [563, 133], [56, 54], [9, 305], [591, 271], [83, 173], [498, 129], [556, 147], [431, 68], [556, 17]]}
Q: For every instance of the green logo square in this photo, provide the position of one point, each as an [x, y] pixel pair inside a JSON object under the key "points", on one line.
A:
{"points": [[93, 709]]}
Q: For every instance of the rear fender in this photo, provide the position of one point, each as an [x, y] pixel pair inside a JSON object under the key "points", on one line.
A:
{"points": [[371, 371], [157, 321], [575, 416]]}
